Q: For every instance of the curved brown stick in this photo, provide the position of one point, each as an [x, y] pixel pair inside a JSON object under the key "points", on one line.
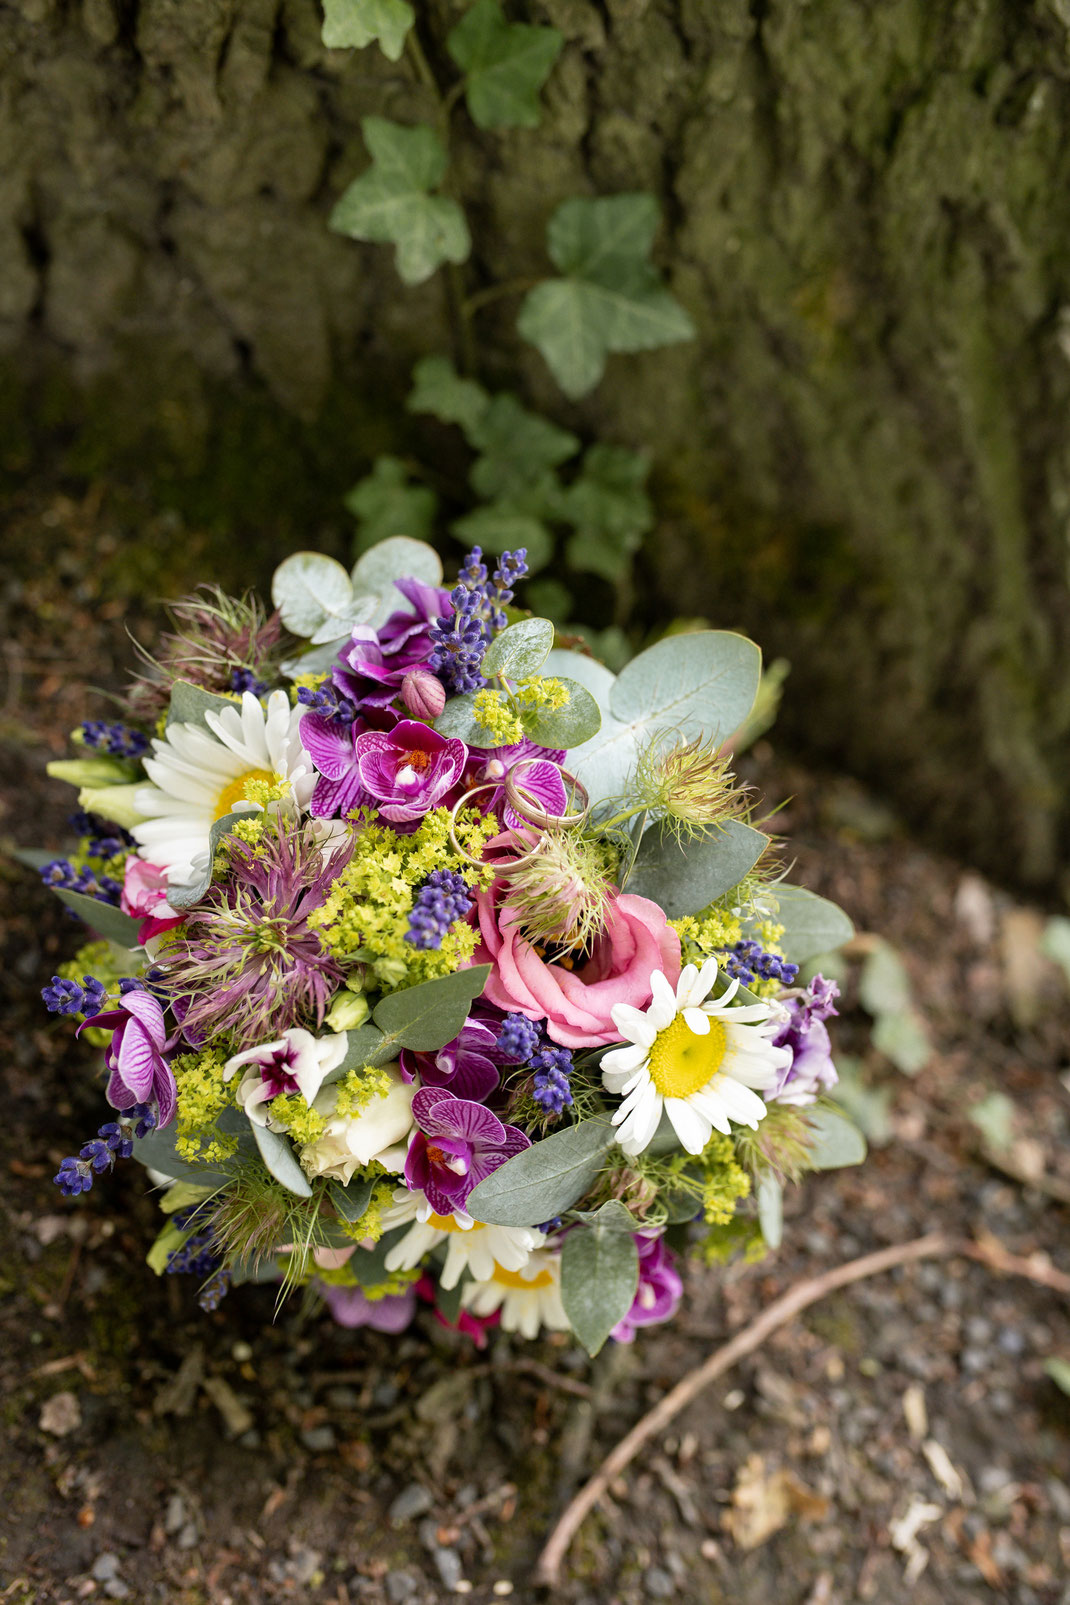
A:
{"points": [[797, 1298]]}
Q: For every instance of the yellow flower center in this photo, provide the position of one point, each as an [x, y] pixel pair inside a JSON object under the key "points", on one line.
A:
{"points": [[446, 1223], [235, 791], [524, 1283], [681, 1062]]}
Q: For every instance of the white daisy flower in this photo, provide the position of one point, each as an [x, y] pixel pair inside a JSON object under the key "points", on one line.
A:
{"points": [[693, 1056], [200, 773], [528, 1298], [472, 1244]]}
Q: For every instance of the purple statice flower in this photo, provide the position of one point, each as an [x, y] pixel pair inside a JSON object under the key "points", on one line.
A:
{"points": [[121, 740], [113, 1141], [803, 1030], [467, 1066], [67, 997], [408, 770], [659, 1292], [551, 1088], [351, 1306], [457, 1143], [748, 959], [441, 901], [246, 962], [135, 1056]]}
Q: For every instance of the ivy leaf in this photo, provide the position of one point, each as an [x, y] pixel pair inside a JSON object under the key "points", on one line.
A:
{"points": [[502, 528], [506, 64], [610, 297], [544, 1180], [438, 388], [610, 510], [391, 203], [427, 1016], [520, 650], [599, 1279], [387, 503], [357, 22], [517, 448]]}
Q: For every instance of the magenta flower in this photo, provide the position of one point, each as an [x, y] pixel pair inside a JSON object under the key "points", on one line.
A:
{"points": [[408, 770], [135, 1055], [456, 1145], [372, 666], [541, 778], [329, 743], [467, 1066], [659, 1292]]}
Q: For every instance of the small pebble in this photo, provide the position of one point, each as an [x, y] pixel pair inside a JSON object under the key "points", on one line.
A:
{"points": [[411, 1502], [502, 1588], [399, 1586], [242, 1352], [448, 1565], [659, 1583], [318, 1439], [175, 1516], [105, 1567]]}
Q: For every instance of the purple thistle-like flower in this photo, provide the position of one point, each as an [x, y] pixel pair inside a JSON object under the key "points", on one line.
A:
{"points": [[457, 1144], [246, 962], [441, 901]]}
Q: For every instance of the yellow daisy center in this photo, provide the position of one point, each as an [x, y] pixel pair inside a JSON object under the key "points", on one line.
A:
{"points": [[235, 791], [681, 1062], [446, 1223], [523, 1283]]}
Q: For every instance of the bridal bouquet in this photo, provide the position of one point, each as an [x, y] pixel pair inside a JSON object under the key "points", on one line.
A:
{"points": [[432, 960]]}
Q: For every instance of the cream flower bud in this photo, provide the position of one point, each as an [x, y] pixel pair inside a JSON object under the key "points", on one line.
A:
{"points": [[348, 1011], [375, 1133]]}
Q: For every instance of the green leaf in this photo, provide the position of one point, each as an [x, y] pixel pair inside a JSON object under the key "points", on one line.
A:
{"points": [[387, 503], [104, 918], [397, 558], [869, 1107], [685, 876], [183, 897], [812, 924], [518, 447], [438, 388], [610, 299], [500, 528], [835, 1141], [94, 772], [356, 23], [609, 509], [314, 595], [391, 203], [365, 1045], [903, 1039], [994, 1119], [31, 857], [505, 63], [599, 1280], [544, 1180], [612, 1215], [369, 1264], [884, 985], [352, 1201], [189, 703], [570, 726], [279, 1157], [157, 1152], [458, 719], [428, 1016], [169, 1240], [771, 1210], [1059, 1371], [520, 650]]}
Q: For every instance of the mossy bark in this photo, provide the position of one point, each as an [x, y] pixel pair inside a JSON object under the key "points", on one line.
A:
{"points": [[864, 457]]}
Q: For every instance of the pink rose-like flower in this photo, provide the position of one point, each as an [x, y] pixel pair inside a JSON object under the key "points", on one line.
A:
{"points": [[144, 897], [408, 770], [636, 940]]}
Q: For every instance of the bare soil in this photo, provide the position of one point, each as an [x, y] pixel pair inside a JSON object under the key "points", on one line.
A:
{"points": [[901, 1442]]}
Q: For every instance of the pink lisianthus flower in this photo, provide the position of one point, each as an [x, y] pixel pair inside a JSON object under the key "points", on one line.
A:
{"points": [[576, 1003], [135, 1055], [409, 770], [144, 898]]}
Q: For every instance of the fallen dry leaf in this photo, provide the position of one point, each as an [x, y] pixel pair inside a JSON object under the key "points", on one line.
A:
{"points": [[60, 1414], [763, 1502]]}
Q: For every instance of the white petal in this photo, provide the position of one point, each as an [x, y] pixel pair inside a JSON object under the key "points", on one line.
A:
{"points": [[689, 1124], [662, 1010], [633, 1024], [629, 1058], [697, 1021], [685, 985]]}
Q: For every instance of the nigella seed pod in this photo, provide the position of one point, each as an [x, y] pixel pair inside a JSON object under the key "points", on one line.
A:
{"points": [[423, 695]]}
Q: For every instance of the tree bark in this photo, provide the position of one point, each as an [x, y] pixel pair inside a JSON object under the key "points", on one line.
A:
{"points": [[862, 460]]}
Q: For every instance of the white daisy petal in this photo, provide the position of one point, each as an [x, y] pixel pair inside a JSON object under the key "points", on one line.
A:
{"points": [[633, 1024], [662, 1010], [697, 1021], [629, 1058], [685, 985], [689, 1124]]}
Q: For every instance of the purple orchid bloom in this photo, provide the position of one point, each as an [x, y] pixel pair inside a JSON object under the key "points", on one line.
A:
{"points": [[542, 778], [406, 636], [659, 1292], [371, 667], [458, 1143], [811, 1070], [330, 745], [351, 1306], [467, 1066], [407, 770], [135, 1055], [362, 673]]}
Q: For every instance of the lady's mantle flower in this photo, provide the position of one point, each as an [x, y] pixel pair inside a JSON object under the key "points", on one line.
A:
{"points": [[243, 760], [297, 1062], [694, 1057], [471, 1244], [373, 1134], [528, 1299], [408, 770], [457, 1144], [659, 1292], [135, 1055]]}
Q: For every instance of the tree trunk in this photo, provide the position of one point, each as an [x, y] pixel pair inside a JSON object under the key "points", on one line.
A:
{"points": [[862, 460]]}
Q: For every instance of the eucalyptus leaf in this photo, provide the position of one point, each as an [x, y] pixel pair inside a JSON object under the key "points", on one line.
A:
{"points": [[365, 1045], [812, 924], [836, 1141], [189, 704], [771, 1210], [392, 203], [505, 65], [104, 918], [458, 719], [599, 1281], [685, 876], [314, 596], [544, 1180], [580, 666], [157, 1152], [398, 558], [183, 897], [569, 726], [31, 857], [352, 1200], [356, 23], [612, 1215], [318, 660], [279, 1157], [519, 651], [428, 1016]]}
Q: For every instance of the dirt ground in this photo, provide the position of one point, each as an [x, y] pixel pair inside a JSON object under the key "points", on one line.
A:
{"points": [[900, 1442]]}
